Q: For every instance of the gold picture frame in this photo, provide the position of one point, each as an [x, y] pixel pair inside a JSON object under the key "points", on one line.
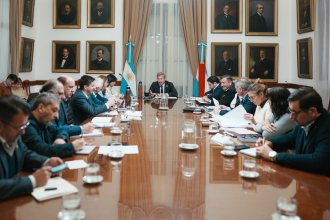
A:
{"points": [[226, 16], [68, 51], [305, 16], [26, 59], [100, 13], [305, 58], [28, 13], [226, 59], [262, 61], [264, 25], [100, 57], [66, 14]]}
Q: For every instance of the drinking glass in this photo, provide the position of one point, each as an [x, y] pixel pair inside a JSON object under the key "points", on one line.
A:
{"points": [[189, 133], [163, 102], [249, 166], [92, 172], [189, 165], [286, 208], [214, 126], [71, 208]]}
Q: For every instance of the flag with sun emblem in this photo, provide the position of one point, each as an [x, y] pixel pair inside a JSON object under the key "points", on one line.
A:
{"points": [[128, 76]]}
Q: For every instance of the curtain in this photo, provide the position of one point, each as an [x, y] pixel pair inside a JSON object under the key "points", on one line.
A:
{"points": [[136, 19], [4, 39], [194, 21], [15, 23], [323, 45], [164, 50]]}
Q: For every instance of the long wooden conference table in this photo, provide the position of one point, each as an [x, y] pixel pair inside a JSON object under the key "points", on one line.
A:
{"points": [[154, 183]]}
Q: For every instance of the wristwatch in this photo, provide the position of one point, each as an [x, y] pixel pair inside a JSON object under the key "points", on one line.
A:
{"points": [[272, 155]]}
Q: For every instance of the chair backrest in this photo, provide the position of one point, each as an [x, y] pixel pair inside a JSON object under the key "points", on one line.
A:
{"points": [[26, 86]]}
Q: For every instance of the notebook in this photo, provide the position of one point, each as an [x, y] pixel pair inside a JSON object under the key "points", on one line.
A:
{"points": [[250, 152], [62, 187]]}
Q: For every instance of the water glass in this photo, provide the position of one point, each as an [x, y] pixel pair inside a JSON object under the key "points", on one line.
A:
{"points": [[189, 164], [286, 208], [214, 126], [249, 166], [71, 208], [189, 133], [205, 117], [163, 102], [92, 172]]}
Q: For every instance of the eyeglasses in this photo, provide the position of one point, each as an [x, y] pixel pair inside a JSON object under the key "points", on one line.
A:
{"points": [[252, 97], [295, 113], [20, 128]]}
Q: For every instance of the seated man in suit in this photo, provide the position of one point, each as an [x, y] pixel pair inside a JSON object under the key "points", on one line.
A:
{"points": [[215, 89], [310, 139], [229, 91], [162, 86], [241, 98], [44, 138], [15, 157], [82, 104]]}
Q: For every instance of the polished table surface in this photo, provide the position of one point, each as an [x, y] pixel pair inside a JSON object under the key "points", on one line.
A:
{"points": [[154, 184]]}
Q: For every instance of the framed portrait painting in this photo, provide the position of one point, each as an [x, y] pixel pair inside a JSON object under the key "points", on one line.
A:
{"points": [[261, 17], [226, 16], [262, 62], [66, 13], [26, 55], [305, 58], [66, 57], [100, 13], [100, 57], [305, 16], [226, 59], [28, 12]]}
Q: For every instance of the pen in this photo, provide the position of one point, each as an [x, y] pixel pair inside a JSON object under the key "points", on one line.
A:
{"points": [[50, 188], [263, 141]]}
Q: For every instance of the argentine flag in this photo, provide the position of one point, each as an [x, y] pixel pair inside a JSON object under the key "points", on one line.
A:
{"points": [[128, 76]]}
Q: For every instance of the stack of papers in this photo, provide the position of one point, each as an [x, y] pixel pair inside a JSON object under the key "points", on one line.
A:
{"points": [[127, 149], [222, 140], [241, 131], [130, 115], [60, 188], [85, 150], [102, 122]]}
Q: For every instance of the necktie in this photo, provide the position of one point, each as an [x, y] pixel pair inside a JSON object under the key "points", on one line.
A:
{"points": [[161, 89], [238, 101], [69, 113]]}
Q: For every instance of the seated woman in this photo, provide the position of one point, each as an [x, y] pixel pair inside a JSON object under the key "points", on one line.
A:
{"points": [[110, 92], [258, 95], [279, 122], [18, 90]]}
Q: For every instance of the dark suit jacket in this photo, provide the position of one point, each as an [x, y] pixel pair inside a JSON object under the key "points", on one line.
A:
{"points": [[84, 108], [260, 67], [227, 96], [69, 63], [247, 104], [169, 88], [226, 68], [100, 65], [25, 160], [100, 19], [257, 23], [214, 93], [224, 23], [40, 138], [312, 152]]}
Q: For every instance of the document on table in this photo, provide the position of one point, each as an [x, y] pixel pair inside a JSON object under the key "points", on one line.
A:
{"points": [[85, 149], [111, 113], [126, 149], [94, 133], [59, 187], [241, 131], [235, 118], [101, 119], [222, 140], [250, 152], [76, 164]]}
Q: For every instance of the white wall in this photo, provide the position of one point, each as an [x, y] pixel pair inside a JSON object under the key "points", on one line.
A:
{"points": [[43, 33]]}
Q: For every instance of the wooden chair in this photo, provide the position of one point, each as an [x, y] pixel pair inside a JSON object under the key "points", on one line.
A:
{"points": [[26, 86]]}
